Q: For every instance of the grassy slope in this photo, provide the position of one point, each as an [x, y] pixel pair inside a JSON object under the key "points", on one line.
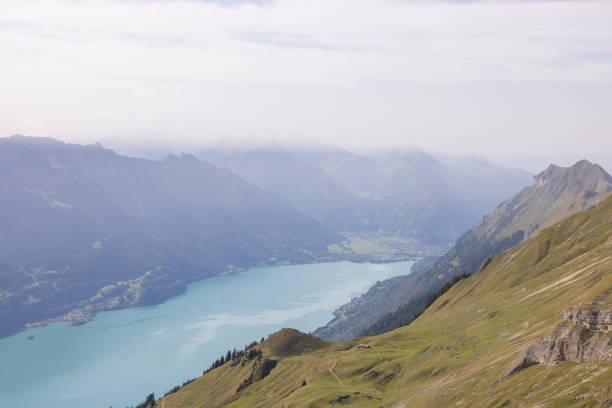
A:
{"points": [[459, 351], [555, 194]]}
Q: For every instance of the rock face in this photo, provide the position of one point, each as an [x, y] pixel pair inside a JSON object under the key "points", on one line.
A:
{"points": [[585, 335], [591, 319]]}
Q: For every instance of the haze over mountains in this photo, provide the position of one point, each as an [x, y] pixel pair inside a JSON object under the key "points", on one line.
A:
{"points": [[393, 204], [404, 192], [86, 229], [555, 194]]}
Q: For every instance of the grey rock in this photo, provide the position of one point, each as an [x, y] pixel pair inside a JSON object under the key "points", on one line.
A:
{"points": [[584, 335]]}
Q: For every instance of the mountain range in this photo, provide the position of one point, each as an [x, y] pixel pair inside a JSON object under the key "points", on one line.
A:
{"points": [[517, 313], [85, 229], [555, 194], [404, 192]]}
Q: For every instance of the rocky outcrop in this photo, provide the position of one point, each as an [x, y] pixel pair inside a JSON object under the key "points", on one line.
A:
{"points": [[584, 335], [591, 318]]}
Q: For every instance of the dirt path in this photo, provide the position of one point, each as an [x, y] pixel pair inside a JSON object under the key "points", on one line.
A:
{"points": [[566, 278], [331, 371]]}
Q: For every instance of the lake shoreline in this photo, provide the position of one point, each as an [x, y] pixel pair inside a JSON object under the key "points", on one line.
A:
{"points": [[155, 347], [84, 314]]}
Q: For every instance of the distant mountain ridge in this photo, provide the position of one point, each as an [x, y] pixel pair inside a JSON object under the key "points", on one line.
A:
{"points": [[555, 194], [85, 229], [402, 192], [306, 186]]}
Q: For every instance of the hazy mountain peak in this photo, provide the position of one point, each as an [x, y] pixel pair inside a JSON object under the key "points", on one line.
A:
{"points": [[98, 218], [32, 140], [406, 153], [581, 176], [49, 142], [557, 193], [547, 174], [185, 157]]}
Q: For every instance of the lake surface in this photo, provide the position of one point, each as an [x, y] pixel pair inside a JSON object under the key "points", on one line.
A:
{"points": [[121, 356]]}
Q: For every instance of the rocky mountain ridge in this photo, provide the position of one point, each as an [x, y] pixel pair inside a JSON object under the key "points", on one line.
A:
{"points": [[555, 194]]}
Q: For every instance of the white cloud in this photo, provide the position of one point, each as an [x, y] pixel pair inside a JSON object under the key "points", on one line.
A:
{"points": [[340, 43], [330, 70]]}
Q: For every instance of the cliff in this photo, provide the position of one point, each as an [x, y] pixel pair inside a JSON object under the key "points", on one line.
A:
{"points": [[584, 335]]}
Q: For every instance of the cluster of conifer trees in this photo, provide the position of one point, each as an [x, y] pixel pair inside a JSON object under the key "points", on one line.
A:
{"points": [[178, 387], [235, 355], [149, 402], [249, 351]]}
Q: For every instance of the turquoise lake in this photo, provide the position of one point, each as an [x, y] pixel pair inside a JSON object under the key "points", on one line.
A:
{"points": [[121, 356]]}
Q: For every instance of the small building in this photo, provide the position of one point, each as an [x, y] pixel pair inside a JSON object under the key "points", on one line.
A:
{"points": [[363, 346]]}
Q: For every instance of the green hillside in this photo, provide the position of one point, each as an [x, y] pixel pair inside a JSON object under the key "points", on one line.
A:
{"points": [[556, 193], [530, 328]]}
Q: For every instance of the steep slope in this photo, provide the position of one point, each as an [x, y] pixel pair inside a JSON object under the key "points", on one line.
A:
{"points": [[85, 229], [478, 345], [555, 194]]}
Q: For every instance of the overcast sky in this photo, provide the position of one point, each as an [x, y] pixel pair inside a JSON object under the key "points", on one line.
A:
{"points": [[504, 79]]}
